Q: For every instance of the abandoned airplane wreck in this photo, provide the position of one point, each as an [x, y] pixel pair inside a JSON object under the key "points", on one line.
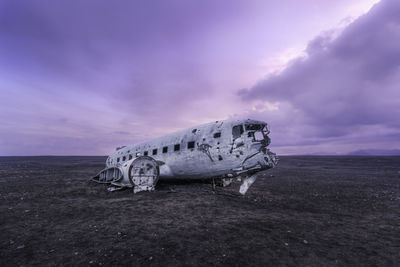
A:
{"points": [[223, 150]]}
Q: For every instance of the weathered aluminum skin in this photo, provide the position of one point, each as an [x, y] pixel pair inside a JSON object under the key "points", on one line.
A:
{"points": [[221, 149]]}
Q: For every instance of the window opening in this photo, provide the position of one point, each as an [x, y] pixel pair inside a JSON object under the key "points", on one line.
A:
{"points": [[154, 151], [165, 149], [237, 131], [258, 136], [190, 144], [217, 135], [254, 127], [145, 153], [177, 147], [123, 158], [259, 132]]}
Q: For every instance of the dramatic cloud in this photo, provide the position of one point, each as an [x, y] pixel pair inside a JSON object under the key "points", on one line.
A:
{"points": [[345, 91], [82, 77]]}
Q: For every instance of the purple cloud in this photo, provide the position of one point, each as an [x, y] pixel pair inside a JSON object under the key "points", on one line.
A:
{"points": [[75, 76], [345, 86]]}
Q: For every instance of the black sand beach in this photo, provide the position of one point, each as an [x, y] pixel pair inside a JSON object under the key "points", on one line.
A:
{"points": [[307, 211]]}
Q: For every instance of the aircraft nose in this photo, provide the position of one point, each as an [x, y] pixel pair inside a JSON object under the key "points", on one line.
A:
{"points": [[271, 159]]}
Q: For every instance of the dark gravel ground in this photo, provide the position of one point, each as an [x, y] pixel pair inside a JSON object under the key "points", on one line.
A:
{"points": [[308, 211]]}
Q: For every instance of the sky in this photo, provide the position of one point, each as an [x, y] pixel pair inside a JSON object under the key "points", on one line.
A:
{"points": [[83, 77]]}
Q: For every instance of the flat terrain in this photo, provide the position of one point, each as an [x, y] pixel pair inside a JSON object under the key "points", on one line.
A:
{"points": [[307, 211]]}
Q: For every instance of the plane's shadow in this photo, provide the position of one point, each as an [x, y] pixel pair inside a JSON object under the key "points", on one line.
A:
{"points": [[161, 184], [198, 185]]}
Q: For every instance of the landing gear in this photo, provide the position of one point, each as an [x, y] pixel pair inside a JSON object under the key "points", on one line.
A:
{"points": [[245, 182], [226, 182], [222, 182]]}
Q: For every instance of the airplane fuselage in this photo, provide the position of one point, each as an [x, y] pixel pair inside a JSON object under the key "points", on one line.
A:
{"points": [[219, 149]]}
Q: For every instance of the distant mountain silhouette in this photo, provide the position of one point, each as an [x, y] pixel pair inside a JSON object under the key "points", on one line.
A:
{"points": [[375, 152], [324, 154]]}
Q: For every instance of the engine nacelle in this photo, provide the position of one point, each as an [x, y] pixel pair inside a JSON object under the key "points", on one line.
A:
{"points": [[141, 173]]}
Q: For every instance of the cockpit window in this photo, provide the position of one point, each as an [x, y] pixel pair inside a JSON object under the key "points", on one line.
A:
{"points": [[254, 127], [237, 131], [259, 132], [258, 136]]}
